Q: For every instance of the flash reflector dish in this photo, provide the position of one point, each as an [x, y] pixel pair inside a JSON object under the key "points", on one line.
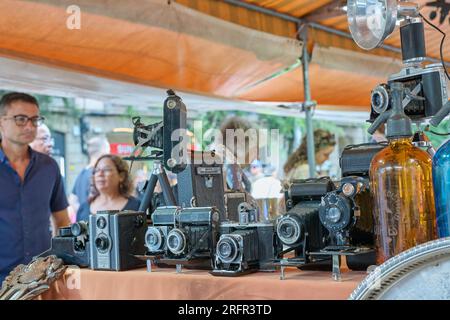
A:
{"points": [[371, 21]]}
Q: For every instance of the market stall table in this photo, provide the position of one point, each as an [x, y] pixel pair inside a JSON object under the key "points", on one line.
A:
{"points": [[166, 284]]}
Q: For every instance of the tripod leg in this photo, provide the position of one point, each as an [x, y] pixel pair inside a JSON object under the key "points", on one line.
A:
{"points": [[149, 190], [169, 197]]}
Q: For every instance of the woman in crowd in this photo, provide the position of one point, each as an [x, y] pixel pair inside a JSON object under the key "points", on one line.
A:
{"points": [[297, 166], [111, 188]]}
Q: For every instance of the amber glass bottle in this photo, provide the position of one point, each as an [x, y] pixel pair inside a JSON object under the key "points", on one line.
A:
{"points": [[401, 183]]}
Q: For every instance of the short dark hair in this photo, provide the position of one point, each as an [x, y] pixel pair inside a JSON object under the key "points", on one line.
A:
{"points": [[11, 97]]}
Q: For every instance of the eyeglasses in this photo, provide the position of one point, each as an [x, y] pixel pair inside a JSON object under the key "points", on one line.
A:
{"points": [[103, 170], [22, 120], [46, 139]]}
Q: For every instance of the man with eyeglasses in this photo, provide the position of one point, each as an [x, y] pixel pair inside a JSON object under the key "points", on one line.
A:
{"points": [[43, 142], [31, 186]]}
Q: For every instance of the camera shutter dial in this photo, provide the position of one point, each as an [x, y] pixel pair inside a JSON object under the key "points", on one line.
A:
{"points": [[335, 212], [154, 239], [176, 241], [228, 248], [289, 229]]}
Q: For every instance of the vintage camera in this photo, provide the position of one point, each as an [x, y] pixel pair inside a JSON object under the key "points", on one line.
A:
{"points": [[347, 212], [199, 173], [246, 246], [300, 230], [71, 245], [233, 199], [184, 236], [356, 158], [426, 92], [159, 135], [201, 182], [355, 164], [338, 211], [116, 238]]}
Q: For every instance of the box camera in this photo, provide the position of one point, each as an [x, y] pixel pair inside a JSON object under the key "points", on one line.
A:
{"points": [[116, 237], [71, 245], [246, 246], [184, 236], [300, 230]]}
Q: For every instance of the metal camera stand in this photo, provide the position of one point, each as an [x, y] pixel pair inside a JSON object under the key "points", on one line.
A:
{"points": [[336, 252], [158, 175], [288, 262]]}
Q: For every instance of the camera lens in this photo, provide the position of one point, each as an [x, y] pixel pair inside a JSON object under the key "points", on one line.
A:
{"points": [[377, 99], [101, 223], [289, 229], [176, 241], [380, 98], [333, 215], [79, 228], [227, 248], [154, 239], [102, 243]]}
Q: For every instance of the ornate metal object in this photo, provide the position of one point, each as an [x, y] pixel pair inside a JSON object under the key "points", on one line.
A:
{"points": [[26, 282], [419, 273]]}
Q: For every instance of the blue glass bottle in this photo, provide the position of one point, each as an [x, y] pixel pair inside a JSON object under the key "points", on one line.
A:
{"points": [[441, 182]]}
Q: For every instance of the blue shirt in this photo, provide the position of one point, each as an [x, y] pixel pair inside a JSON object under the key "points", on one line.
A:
{"points": [[26, 207], [82, 185], [85, 209]]}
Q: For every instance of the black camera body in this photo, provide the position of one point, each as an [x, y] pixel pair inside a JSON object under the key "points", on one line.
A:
{"points": [[233, 200], [184, 236], [427, 84], [116, 238], [71, 245], [355, 165], [299, 229], [201, 184], [246, 247], [339, 212], [356, 158], [347, 211]]}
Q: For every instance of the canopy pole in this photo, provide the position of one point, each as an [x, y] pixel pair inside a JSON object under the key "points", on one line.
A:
{"points": [[308, 104]]}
